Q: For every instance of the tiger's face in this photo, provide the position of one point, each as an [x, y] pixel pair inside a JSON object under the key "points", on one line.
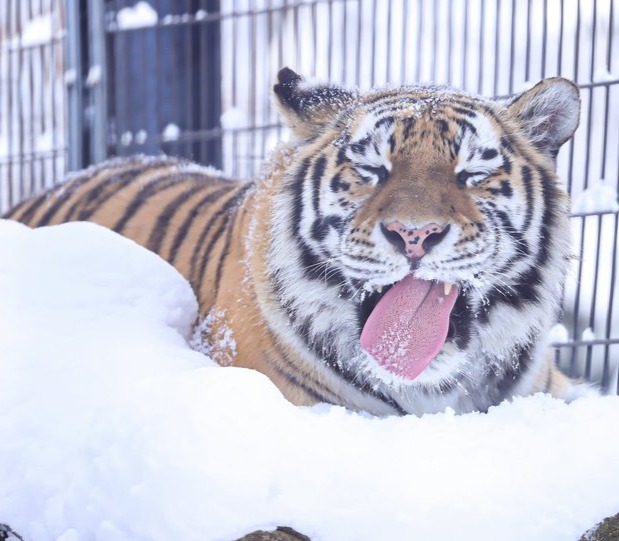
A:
{"points": [[421, 237]]}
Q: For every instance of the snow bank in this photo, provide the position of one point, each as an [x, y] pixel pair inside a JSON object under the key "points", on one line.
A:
{"points": [[111, 428]]}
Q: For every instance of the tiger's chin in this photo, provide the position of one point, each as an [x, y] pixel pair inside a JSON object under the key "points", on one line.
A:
{"points": [[442, 372]]}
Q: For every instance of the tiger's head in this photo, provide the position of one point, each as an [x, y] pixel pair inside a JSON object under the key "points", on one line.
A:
{"points": [[420, 239]]}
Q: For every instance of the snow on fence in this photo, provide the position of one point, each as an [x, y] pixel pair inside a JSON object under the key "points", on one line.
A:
{"points": [[193, 78]]}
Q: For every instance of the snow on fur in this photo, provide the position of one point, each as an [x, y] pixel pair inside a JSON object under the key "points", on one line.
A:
{"points": [[111, 428]]}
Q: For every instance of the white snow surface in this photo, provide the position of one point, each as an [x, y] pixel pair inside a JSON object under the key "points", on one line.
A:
{"points": [[112, 428], [140, 15], [600, 196], [36, 31], [171, 132]]}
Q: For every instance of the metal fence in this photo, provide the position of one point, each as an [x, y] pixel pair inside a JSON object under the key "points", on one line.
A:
{"points": [[193, 78], [33, 149]]}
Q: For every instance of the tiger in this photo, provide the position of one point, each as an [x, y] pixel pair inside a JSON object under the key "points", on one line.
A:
{"points": [[403, 252]]}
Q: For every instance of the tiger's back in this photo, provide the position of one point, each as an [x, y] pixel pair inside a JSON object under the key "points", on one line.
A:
{"points": [[182, 211]]}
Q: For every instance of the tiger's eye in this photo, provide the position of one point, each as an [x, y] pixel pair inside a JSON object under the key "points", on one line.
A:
{"points": [[462, 177]]}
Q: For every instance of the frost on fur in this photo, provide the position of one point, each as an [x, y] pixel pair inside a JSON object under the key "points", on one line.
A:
{"points": [[214, 338]]}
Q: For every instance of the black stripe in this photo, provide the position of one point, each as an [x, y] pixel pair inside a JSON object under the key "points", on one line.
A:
{"points": [[521, 243], [314, 269], [528, 190], [507, 142], [227, 207], [462, 316], [321, 226], [49, 214], [386, 121], [381, 172], [338, 185], [153, 188], [360, 146], [465, 112], [155, 240], [319, 169], [297, 194], [465, 124], [224, 255], [549, 196], [96, 197], [306, 378], [293, 380], [443, 126], [35, 204], [194, 213], [489, 154]]}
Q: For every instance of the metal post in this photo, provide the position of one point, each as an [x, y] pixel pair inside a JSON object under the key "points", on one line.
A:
{"points": [[75, 86], [97, 81]]}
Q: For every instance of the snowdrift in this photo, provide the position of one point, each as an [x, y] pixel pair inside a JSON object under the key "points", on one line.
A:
{"points": [[112, 428]]}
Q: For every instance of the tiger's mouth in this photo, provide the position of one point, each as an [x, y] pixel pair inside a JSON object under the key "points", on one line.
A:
{"points": [[405, 326]]}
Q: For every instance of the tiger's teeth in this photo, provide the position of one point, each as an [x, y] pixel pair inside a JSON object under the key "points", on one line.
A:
{"points": [[379, 289], [447, 288]]}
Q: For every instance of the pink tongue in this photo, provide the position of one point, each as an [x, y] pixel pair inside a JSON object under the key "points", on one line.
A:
{"points": [[409, 325]]}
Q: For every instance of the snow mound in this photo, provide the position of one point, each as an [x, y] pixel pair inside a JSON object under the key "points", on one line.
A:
{"points": [[112, 428]]}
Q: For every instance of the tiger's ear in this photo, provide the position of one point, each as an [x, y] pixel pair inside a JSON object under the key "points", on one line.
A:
{"points": [[308, 108], [548, 113]]}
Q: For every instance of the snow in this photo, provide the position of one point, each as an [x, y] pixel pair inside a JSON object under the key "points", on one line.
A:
{"points": [[233, 118], [140, 137], [603, 76], [94, 75], [600, 196], [37, 31], [588, 335], [558, 334], [70, 77], [138, 16], [112, 428], [126, 138], [171, 132]]}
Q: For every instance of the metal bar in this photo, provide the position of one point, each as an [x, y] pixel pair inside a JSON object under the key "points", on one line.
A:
{"points": [[419, 47], [611, 301], [98, 91], [544, 38], [482, 33], [403, 29], [512, 46], [189, 19], [75, 86], [579, 343], [497, 22], [594, 295], [527, 62], [465, 52]]}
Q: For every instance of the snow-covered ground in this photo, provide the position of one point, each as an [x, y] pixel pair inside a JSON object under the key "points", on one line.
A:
{"points": [[112, 428]]}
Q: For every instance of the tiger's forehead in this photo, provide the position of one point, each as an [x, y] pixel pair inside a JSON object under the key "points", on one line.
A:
{"points": [[420, 108], [447, 126]]}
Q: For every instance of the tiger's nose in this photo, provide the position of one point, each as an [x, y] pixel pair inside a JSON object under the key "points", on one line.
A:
{"points": [[414, 243]]}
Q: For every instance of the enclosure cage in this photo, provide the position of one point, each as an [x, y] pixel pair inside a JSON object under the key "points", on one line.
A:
{"points": [[83, 80]]}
